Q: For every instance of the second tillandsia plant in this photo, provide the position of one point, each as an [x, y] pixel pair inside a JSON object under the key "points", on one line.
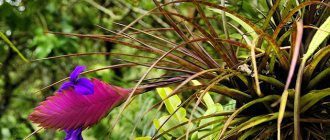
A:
{"points": [[272, 61]]}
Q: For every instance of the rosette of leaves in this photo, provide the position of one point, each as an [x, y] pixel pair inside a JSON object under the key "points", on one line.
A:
{"points": [[271, 58]]}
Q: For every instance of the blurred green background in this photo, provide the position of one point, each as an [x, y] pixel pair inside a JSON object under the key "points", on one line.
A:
{"points": [[25, 24]]}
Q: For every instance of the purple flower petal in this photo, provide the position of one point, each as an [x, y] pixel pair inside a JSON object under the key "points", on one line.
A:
{"points": [[75, 73], [65, 85], [84, 86], [73, 134]]}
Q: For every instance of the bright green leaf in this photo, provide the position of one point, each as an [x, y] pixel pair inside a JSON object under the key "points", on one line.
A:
{"points": [[216, 108], [172, 102], [142, 138], [318, 38], [247, 27], [207, 97], [157, 124], [172, 122]]}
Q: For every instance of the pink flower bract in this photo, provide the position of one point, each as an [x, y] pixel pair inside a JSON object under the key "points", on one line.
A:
{"points": [[69, 110]]}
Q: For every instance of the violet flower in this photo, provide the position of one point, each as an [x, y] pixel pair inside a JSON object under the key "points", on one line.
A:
{"points": [[73, 134], [81, 86]]}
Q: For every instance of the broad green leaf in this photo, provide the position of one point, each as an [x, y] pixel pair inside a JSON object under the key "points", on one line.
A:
{"points": [[178, 117], [172, 102], [172, 122], [194, 136], [43, 51], [318, 38], [230, 106], [44, 43], [211, 108], [207, 97], [208, 100], [216, 108], [247, 27], [157, 124]]}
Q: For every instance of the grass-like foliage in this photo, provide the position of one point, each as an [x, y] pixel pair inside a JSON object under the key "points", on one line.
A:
{"points": [[234, 70]]}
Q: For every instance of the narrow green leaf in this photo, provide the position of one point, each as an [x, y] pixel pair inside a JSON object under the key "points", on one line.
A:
{"points": [[255, 71], [261, 119], [246, 26], [297, 100], [316, 80], [104, 9], [271, 80], [317, 58], [142, 138], [196, 120], [247, 105], [251, 132], [311, 98], [281, 111], [11, 45], [231, 92], [255, 121]]}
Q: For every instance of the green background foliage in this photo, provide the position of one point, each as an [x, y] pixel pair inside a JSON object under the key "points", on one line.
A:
{"points": [[26, 25]]}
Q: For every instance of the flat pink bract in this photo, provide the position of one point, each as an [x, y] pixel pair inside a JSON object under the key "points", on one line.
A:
{"points": [[69, 110]]}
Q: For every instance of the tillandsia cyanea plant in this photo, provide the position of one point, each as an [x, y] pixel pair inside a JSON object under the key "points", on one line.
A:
{"points": [[273, 60]]}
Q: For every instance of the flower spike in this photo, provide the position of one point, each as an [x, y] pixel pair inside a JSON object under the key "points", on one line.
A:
{"points": [[78, 104], [69, 110]]}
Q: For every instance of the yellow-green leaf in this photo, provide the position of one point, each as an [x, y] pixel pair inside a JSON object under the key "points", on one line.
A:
{"points": [[207, 97], [11, 45], [247, 27], [172, 102], [142, 138], [172, 122], [318, 38]]}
